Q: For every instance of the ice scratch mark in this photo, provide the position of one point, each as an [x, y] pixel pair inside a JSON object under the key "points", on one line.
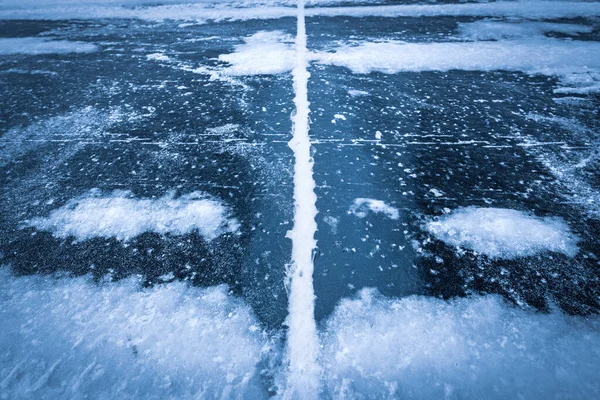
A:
{"points": [[302, 344]]}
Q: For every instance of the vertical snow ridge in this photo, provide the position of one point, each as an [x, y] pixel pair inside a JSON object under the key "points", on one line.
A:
{"points": [[302, 344]]}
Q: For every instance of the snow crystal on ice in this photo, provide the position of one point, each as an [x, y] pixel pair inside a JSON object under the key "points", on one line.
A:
{"points": [[426, 348], [122, 216], [503, 233], [362, 206]]}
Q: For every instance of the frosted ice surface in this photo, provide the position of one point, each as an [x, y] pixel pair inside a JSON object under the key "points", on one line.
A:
{"points": [[362, 206], [264, 53], [33, 45], [70, 338], [503, 233], [122, 216], [472, 348], [73, 128]]}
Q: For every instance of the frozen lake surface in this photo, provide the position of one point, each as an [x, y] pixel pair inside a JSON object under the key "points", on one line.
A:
{"points": [[252, 199]]}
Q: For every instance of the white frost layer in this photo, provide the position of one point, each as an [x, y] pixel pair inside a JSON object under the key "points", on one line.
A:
{"points": [[263, 53], [496, 30], [33, 45], [69, 338], [124, 217], [504, 233], [303, 381], [269, 10], [479, 348], [362, 206]]}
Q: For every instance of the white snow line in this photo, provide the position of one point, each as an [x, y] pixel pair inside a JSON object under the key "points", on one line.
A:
{"points": [[302, 344]]}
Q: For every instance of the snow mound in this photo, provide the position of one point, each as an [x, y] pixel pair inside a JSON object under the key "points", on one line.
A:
{"points": [[124, 217], [362, 206], [69, 338], [503, 233], [264, 53], [425, 348], [33, 45]]}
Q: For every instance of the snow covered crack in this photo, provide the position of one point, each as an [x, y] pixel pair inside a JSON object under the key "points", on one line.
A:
{"points": [[302, 344]]}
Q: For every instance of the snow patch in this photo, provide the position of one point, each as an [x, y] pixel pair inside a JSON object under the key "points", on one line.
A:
{"points": [[544, 56], [35, 46], [362, 206], [497, 30], [471, 348], [568, 60], [264, 53], [158, 57], [436, 192], [71, 338], [503, 233], [333, 223], [355, 93], [124, 217]]}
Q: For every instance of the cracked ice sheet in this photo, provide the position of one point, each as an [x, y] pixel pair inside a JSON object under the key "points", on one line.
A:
{"points": [[159, 133], [442, 133]]}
